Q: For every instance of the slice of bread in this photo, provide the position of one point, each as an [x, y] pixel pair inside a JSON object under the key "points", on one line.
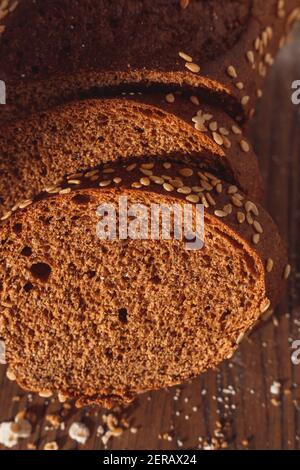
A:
{"points": [[104, 320], [38, 151], [221, 49]]}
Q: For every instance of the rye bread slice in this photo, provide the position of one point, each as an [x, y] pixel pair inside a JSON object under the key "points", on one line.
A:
{"points": [[38, 151], [104, 320], [51, 51]]}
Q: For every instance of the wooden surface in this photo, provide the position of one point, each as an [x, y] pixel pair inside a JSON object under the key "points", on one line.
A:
{"points": [[233, 406]]}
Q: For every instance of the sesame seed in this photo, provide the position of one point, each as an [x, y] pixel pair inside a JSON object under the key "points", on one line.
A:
{"points": [[147, 166], [259, 93], [240, 338], [170, 98], [257, 43], [157, 179], [145, 181], [251, 207], [224, 131], [192, 67], [257, 227], [245, 100], [232, 189], [236, 130], [108, 170], [74, 181], [54, 190], [45, 394], [213, 126], [184, 4], [65, 191], [228, 209], [240, 85], [177, 183], [195, 100], [244, 146], [265, 305], [185, 57], [80, 175], [219, 213], [131, 167], [193, 198], [10, 375], [206, 185], [227, 143], [104, 183], [117, 180], [249, 218], [168, 187], [269, 265], [236, 202], [250, 57], [210, 199], [26, 203], [256, 238], [136, 185], [184, 190], [241, 217], [231, 71], [186, 171], [287, 271], [204, 201], [217, 138], [219, 188], [167, 165], [6, 216], [146, 172]]}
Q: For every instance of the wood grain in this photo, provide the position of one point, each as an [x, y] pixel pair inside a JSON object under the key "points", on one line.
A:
{"points": [[235, 400]]}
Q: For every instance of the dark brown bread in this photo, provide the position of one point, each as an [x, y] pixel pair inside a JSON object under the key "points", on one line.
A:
{"points": [[38, 151], [60, 49], [101, 321]]}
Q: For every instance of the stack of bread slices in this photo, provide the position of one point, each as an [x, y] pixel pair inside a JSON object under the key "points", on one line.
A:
{"points": [[147, 101]]}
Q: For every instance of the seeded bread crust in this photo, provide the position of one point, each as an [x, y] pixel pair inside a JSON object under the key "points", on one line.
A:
{"points": [[220, 49], [225, 207], [40, 150]]}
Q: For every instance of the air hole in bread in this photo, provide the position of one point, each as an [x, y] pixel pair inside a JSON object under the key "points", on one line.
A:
{"points": [[41, 271], [28, 287], [123, 315], [17, 228], [27, 251], [81, 199]]}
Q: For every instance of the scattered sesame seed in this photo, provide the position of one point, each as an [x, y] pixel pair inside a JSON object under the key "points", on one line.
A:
{"points": [[147, 166], [241, 217], [117, 180], [220, 213], [168, 187], [136, 185], [167, 165], [269, 265], [170, 98], [231, 71], [244, 146], [186, 171], [131, 167], [257, 226], [232, 189], [287, 271], [265, 305], [195, 100], [184, 190], [256, 238], [145, 181], [195, 68], [185, 57], [240, 85], [104, 183], [217, 138], [245, 100], [193, 198], [236, 130]]}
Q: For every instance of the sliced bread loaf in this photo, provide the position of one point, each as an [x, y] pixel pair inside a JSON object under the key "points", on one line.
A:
{"points": [[38, 151], [222, 49], [103, 320]]}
